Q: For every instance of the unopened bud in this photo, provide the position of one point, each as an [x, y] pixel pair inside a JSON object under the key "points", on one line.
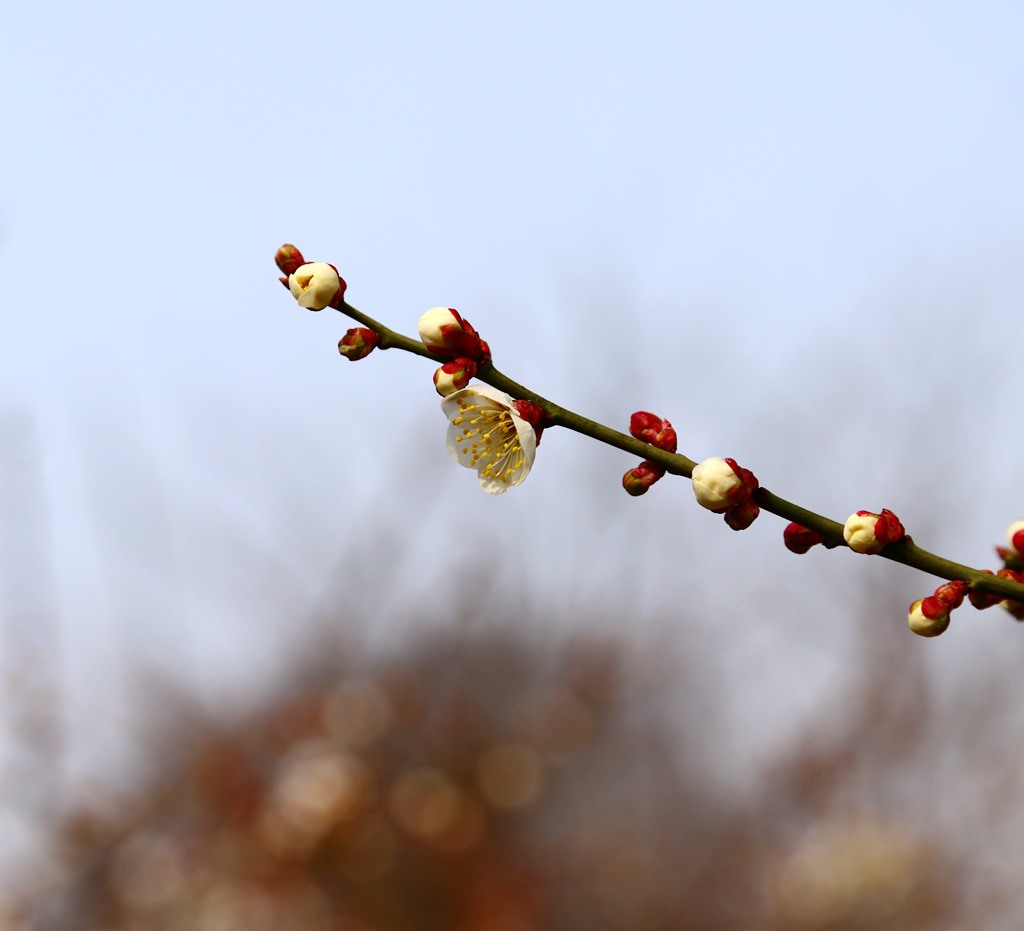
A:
{"points": [[720, 484], [533, 414], [637, 481], [1011, 559], [928, 617], [446, 334], [316, 285], [454, 376], [951, 595], [799, 539], [980, 600], [652, 429], [867, 532], [289, 259], [1015, 537], [358, 343], [1016, 608], [741, 516]]}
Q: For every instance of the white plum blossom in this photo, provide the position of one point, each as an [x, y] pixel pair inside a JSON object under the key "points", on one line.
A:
{"points": [[487, 434], [712, 480], [314, 285]]}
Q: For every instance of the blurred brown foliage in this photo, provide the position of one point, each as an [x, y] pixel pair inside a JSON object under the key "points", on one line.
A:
{"points": [[490, 783]]}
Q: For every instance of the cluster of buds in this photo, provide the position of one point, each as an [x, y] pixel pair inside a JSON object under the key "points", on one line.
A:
{"points": [[929, 617], [649, 428], [799, 539], [489, 430], [315, 285], [450, 336], [982, 601], [724, 487], [866, 532], [1012, 556]]}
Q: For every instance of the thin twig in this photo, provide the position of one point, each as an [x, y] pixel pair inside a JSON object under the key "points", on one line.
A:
{"points": [[903, 551]]}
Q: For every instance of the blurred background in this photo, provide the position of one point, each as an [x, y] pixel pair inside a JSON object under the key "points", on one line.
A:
{"points": [[270, 660]]}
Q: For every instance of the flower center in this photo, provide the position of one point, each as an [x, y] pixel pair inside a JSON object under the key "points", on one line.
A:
{"points": [[490, 436]]}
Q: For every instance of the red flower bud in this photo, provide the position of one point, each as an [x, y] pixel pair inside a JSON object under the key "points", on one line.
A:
{"points": [[741, 493], [1016, 608], [358, 343], [1011, 560], [288, 259], [951, 595], [533, 414], [799, 539], [454, 376], [637, 481], [741, 516], [982, 601], [652, 429]]}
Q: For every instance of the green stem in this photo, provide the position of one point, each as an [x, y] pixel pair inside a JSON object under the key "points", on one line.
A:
{"points": [[904, 551]]}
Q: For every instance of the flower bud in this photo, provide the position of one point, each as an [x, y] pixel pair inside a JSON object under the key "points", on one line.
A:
{"points": [[316, 285], [446, 334], [1016, 608], [533, 414], [289, 259], [637, 481], [980, 600], [741, 516], [358, 343], [652, 429], [928, 617], [1015, 537], [1011, 560], [867, 532], [454, 376], [721, 483], [799, 539], [951, 595]]}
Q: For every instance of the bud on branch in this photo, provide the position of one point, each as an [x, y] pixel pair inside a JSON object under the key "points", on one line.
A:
{"points": [[867, 532], [495, 430]]}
